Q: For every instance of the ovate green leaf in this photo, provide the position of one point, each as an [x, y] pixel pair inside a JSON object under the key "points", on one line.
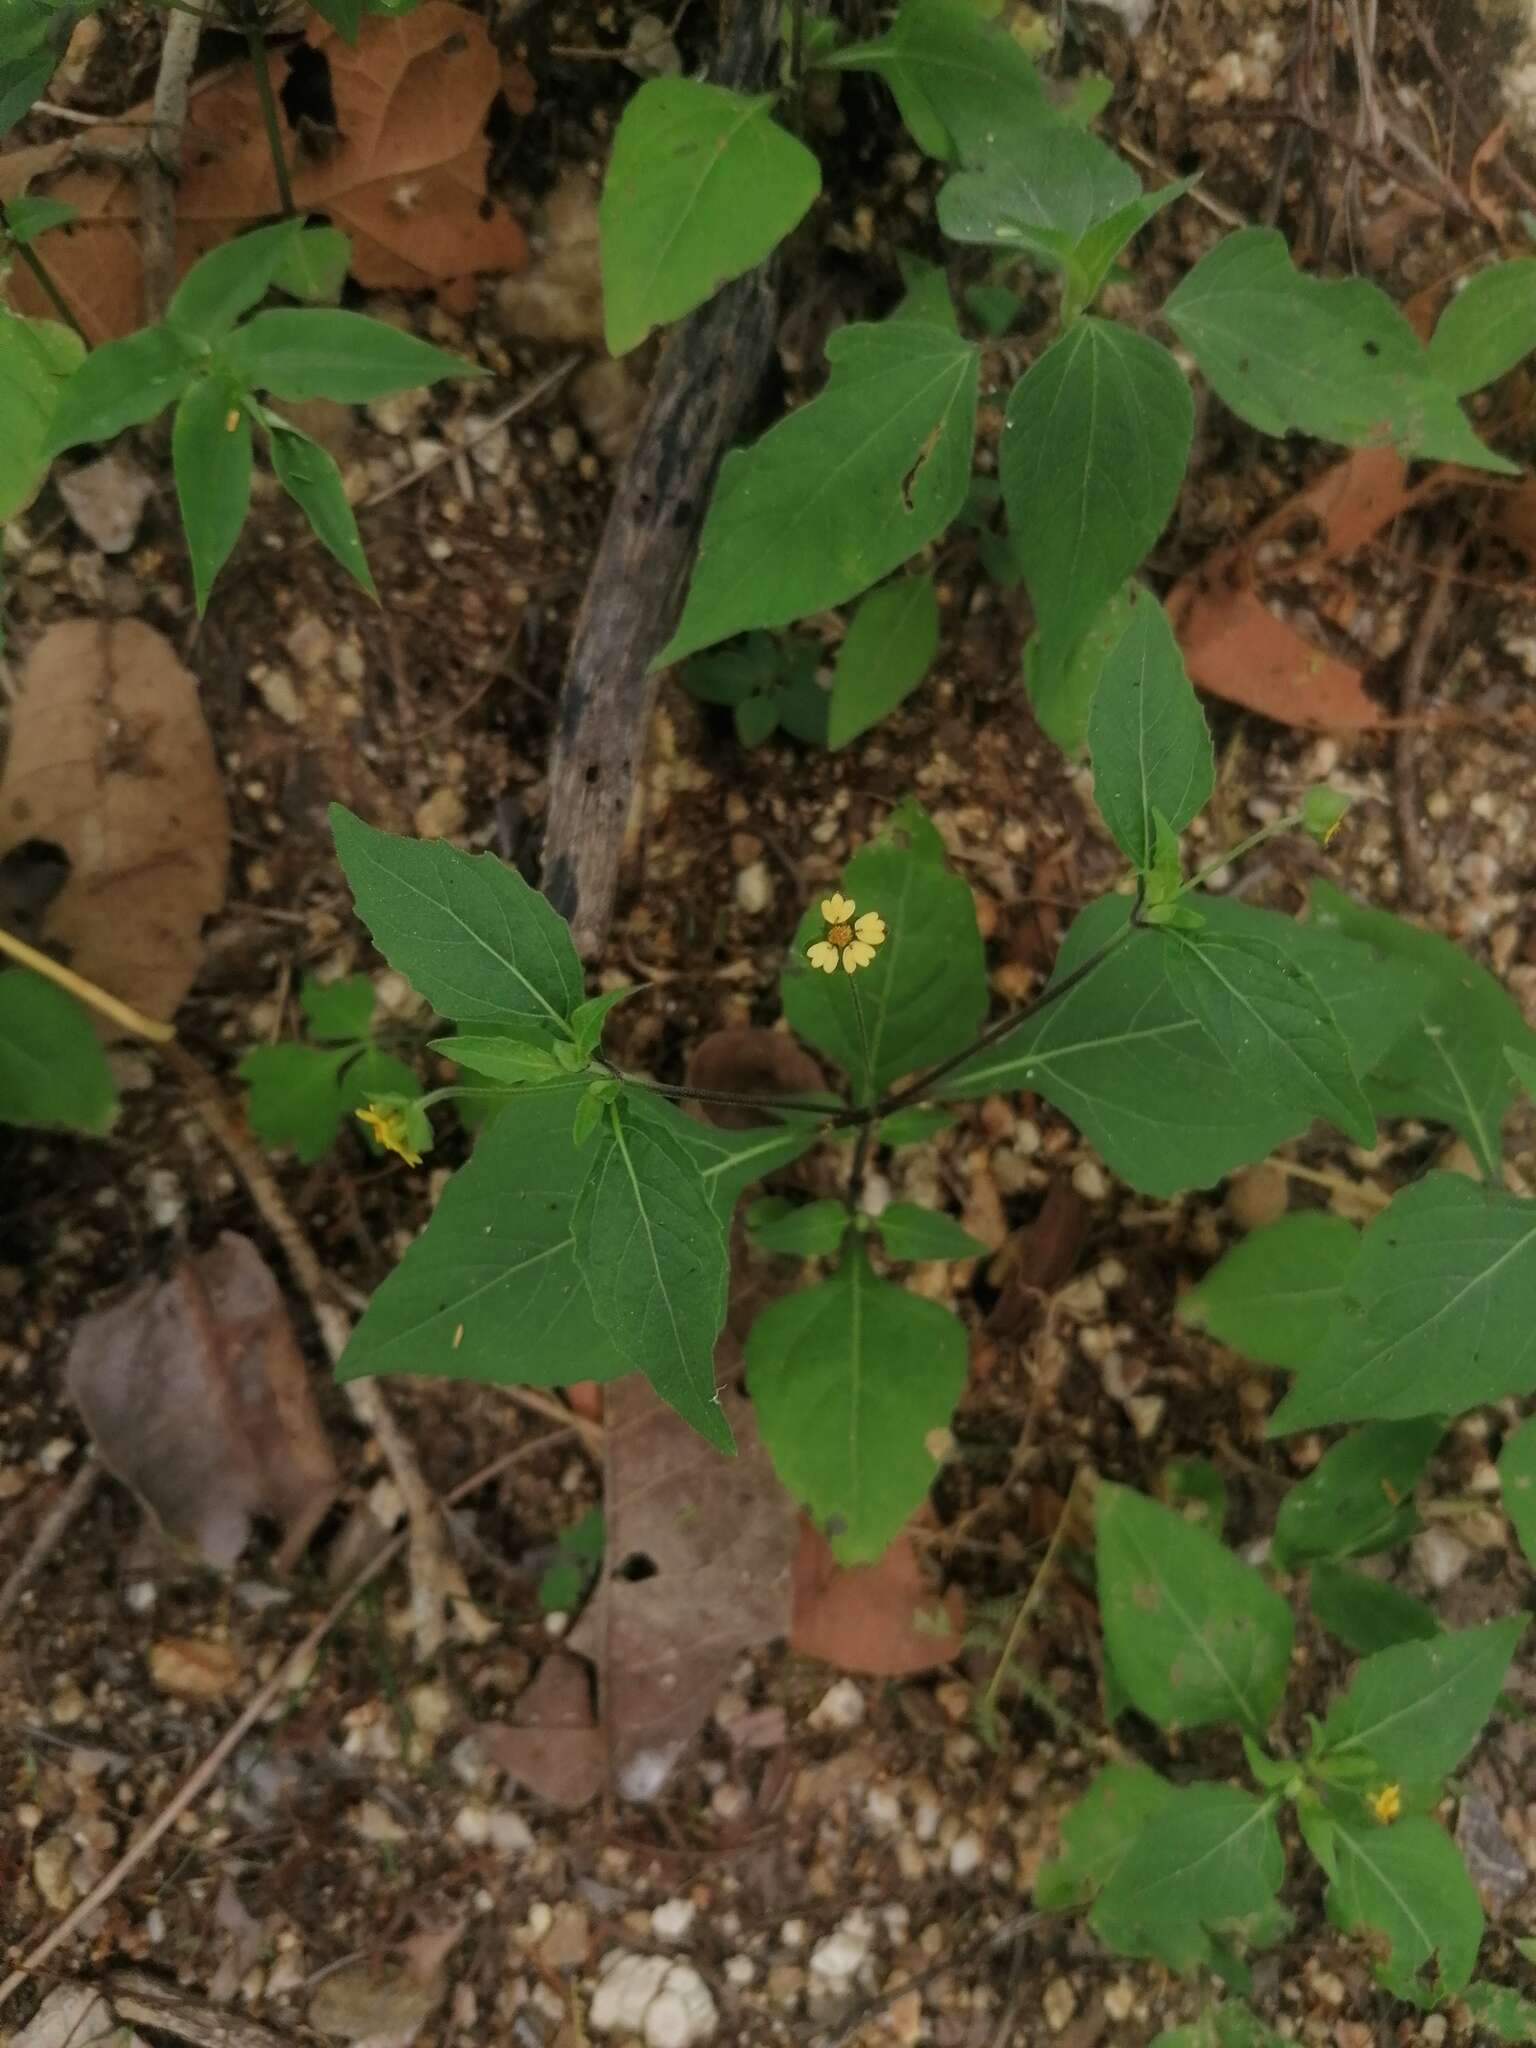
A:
{"points": [[844, 490], [1417, 1709], [501, 1059], [120, 384], [1274, 1295], [1150, 746], [1488, 327], [1506, 2015], [309, 475], [1438, 1315], [1295, 354], [307, 352], [1366, 1614], [465, 930], [229, 280], [1094, 450], [958, 78], [702, 184], [849, 1380], [1039, 187], [1194, 1634], [1209, 1856], [314, 266], [295, 1095], [909, 1231], [53, 1072], [491, 1291], [211, 454], [1359, 1498], [1408, 1883], [653, 1253], [37, 359], [1098, 1832], [1062, 687], [893, 638], [801, 1230], [341, 1009], [1517, 1481]]}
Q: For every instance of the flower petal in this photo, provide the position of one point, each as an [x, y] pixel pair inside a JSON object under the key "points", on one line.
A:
{"points": [[837, 909], [871, 928], [857, 954], [823, 956]]}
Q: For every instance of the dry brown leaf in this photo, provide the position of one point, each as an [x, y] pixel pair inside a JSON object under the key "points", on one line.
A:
{"points": [[197, 1397], [696, 1570], [1038, 1259], [1237, 648], [553, 1747], [750, 1061], [403, 173], [885, 1620], [111, 761]]}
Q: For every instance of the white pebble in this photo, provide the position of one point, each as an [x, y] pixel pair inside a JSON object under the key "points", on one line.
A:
{"points": [[840, 1708], [840, 1956], [754, 888], [1441, 1556], [671, 1920], [966, 1853], [1089, 1178], [509, 1834], [883, 1808]]}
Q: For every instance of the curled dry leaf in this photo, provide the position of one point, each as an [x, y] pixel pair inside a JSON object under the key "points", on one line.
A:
{"points": [[886, 1620], [1038, 1259], [553, 1747], [400, 167], [748, 1061], [696, 1570], [197, 1397], [111, 762]]}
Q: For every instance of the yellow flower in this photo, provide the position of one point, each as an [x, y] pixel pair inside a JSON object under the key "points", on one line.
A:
{"points": [[388, 1126], [849, 941], [1387, 1804]]}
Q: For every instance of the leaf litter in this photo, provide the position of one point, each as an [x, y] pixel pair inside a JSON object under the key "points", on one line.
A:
{"points": [[112, 764]]}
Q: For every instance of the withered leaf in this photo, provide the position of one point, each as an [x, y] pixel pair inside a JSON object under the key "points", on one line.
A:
{"points": [[111, 761], [553, 1747], [884, 1620], [696, 1570], [749, 1061], [197, 1397]]}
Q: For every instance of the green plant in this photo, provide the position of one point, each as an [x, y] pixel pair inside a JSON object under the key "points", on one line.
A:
{"points": [[301, 1093], [579, 1554]]}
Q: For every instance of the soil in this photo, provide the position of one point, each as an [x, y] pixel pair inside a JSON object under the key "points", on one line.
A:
{"points": [[864, 1876]]}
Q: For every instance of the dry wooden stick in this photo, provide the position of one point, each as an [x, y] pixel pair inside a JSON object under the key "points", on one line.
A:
{"points": [[141, 2000], [50, 1533], [159, 166], [288, 1674], [708, 376]]}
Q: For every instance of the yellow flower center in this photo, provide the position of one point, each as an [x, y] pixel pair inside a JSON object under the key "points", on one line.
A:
{"points": [[840, 935]]}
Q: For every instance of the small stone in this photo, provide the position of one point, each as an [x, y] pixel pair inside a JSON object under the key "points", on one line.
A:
{"points": [[671, 1920], [191, 1668], [628, 1985], [1329, 1988], [1146, 1412], [275, 688], [50, 1871], [1257, 1196], [564, 445], [754, 888], [883, 1809], [904, 2018], [729, 1802], [740, 1971], [309, 644], [608, 399], [966, 1853], [1120, 1999], [1090, 1180], [67, 1705], [566, 1945], [684, 2012], [106, 500], [441, 815], [375, 1823], [508, 1833], [397, 413], [1441, 1556], [839, 1956], [368, 1998], [1059, 2003], [840, 1708]]}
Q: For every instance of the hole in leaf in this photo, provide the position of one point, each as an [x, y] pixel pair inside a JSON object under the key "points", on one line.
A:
{"points": [[637, 1567]]}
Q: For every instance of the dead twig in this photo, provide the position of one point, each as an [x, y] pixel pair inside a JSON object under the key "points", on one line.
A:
{"points": [[140, 2000], [1405, 746], [438, 1587], [291, 1673], [1012, 1930], [158, 168], [452, 450], [49, 1533]]}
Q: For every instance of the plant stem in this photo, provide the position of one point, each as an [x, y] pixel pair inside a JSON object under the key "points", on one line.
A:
{"points": [[796, 42], [723, 1098], [121, 1013], [1225, 860], [55, 297], [255, 42], [1030, 1602]]}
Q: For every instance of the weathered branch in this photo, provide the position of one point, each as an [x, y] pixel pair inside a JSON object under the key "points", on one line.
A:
{"points": [[707, 377]]}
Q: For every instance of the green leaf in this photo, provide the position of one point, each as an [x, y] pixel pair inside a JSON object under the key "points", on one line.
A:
{"points": [[589, 1114], [893, 638], [1506, 2015], [1365, 1614], [1323, 810], [53, 1072], [1408, 1883], [1523, 1066], [305, 352], [24, 78], [211, 454], [1359, 1498], [345, 16], [1062, 687], [1276, 1292], [957, 78], [652, 1251], [501, 1059], [914, 1126], [1194, 1634], [374, 1075], [587, 1018], [1517, 1481], [1040, 188], [26, 217], [1450, 1063], [1091, 1052], [465, 930], [1094, 448], [730, 1161], [1209, 1856], [1417, 1709], [491, 1290], [702, 184], [1488, 327], [1294, 354], [1091, 261], [927, 297], [1257, 1001], [310, 477], [1147, 735], [229, 280], [804, 1230], [994, 308], [1195, 1484], [1097, 1833], [37, 359], [926, 993], [844, 490], [120, 384], [314, 266], [1439, 1314], [339, 1010], [849, 1380], [734, 674], [909, 1231], [295, 1096]]}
